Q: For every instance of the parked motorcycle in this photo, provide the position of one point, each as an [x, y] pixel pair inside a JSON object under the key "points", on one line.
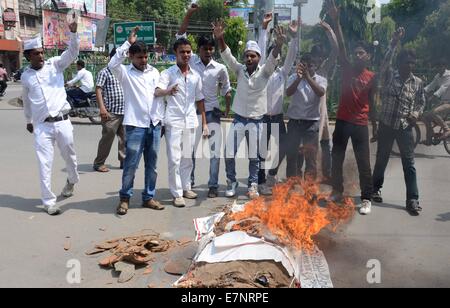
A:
{"points": [[87, 108]]}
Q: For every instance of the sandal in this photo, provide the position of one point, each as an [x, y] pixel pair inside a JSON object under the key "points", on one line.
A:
{"points": [[101, 168], [122, 209]]}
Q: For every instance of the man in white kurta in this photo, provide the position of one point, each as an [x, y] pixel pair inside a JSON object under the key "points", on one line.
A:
{"points": [[46, 109]]}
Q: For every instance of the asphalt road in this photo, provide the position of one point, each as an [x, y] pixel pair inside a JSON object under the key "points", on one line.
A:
{"points": [[412, 251]]}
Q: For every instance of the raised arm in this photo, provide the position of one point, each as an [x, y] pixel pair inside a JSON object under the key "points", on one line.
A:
{"points": [[293, 47], [280, 39], [386, 65], [330, 63], [333, 11], [183, 28], [225, 52], [72, 52], [262, 39], [115, 64]]}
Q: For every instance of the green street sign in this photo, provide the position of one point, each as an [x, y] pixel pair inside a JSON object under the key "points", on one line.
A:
{"points": [[146, 32]]}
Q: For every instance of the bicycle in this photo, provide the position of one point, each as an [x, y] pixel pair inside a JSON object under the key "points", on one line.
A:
{"points": [[436, 139]]}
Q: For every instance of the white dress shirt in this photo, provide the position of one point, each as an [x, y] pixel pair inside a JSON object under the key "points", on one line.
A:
{"points": [[213, 75], [305, 104], [43, 91], [85, 78], [251, 94], [441, 86], [141, 108], [277, 82], [181, 108]]}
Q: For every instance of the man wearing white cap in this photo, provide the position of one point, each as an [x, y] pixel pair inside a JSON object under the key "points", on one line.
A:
{"points": [[46, 109], [250, 105]]}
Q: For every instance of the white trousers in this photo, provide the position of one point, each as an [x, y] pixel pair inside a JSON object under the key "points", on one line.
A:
{"points": [[180, 144], [45, 136]]}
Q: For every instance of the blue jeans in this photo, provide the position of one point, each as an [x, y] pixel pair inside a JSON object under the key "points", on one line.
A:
{"points": [[250, 129], [77, 95], [215, 143], [140, 141]]}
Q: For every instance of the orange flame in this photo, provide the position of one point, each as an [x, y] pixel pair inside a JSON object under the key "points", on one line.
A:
{"points": [[295, 215]]}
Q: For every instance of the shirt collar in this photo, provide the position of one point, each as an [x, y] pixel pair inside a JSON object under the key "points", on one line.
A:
{"points": [[410, 77], [446, 73], [178, 70], [149, 68], [211, 63], [246, 71]]}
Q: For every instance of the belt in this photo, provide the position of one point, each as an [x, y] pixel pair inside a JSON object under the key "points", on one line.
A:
{"points": [[275, 116], [303, 121], [57, 119]]}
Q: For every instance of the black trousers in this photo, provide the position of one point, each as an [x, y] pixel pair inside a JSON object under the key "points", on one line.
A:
{"points": [[3, 86], [267, 133], [360, 141], [405, 141], [305, 133]]}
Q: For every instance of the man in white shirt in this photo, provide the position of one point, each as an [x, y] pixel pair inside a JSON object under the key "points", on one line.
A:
{"points": [[46, 109], [182, 87], [274, 119], [306, 89], [250, 106], [143, 116], [86, 80], [214, 77], [439, 92]]}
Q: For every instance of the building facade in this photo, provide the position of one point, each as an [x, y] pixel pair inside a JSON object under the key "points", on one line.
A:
{"points": [[10, 44]]}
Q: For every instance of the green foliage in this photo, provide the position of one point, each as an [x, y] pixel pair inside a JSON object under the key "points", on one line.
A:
{"points": [[210, 10], [193, 39], [235, 32], [411, 14], [353, 20], [433, 41]]}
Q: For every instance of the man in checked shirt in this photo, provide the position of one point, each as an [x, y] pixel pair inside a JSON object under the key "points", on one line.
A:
{"points": [[403, 100], [110, 102]]}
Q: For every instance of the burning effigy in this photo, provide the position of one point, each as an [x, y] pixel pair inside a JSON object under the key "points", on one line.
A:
{"points": [[267, 242]]}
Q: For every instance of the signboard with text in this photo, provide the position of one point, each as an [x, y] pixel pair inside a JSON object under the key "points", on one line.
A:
{"points": [[146, 33]]}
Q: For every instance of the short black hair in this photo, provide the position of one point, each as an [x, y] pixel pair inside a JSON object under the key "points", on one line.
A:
{"points": [[309, 58], [364, 45], [317, 51], [112, 53], [1, 64], [405, 55], [138, 47], [206, 41], [180, 42], [81, 63]]}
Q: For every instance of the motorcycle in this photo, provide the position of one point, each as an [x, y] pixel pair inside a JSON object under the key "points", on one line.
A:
{"points": [[86, 108]]}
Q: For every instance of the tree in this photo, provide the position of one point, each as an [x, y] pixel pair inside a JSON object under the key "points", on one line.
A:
{"points": [[210, 10], [235, 32], [353, 18], [411, 14], [433, 41]]}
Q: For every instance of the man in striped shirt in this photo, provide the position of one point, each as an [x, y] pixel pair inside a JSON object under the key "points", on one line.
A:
{"points": [[110, 102]]}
